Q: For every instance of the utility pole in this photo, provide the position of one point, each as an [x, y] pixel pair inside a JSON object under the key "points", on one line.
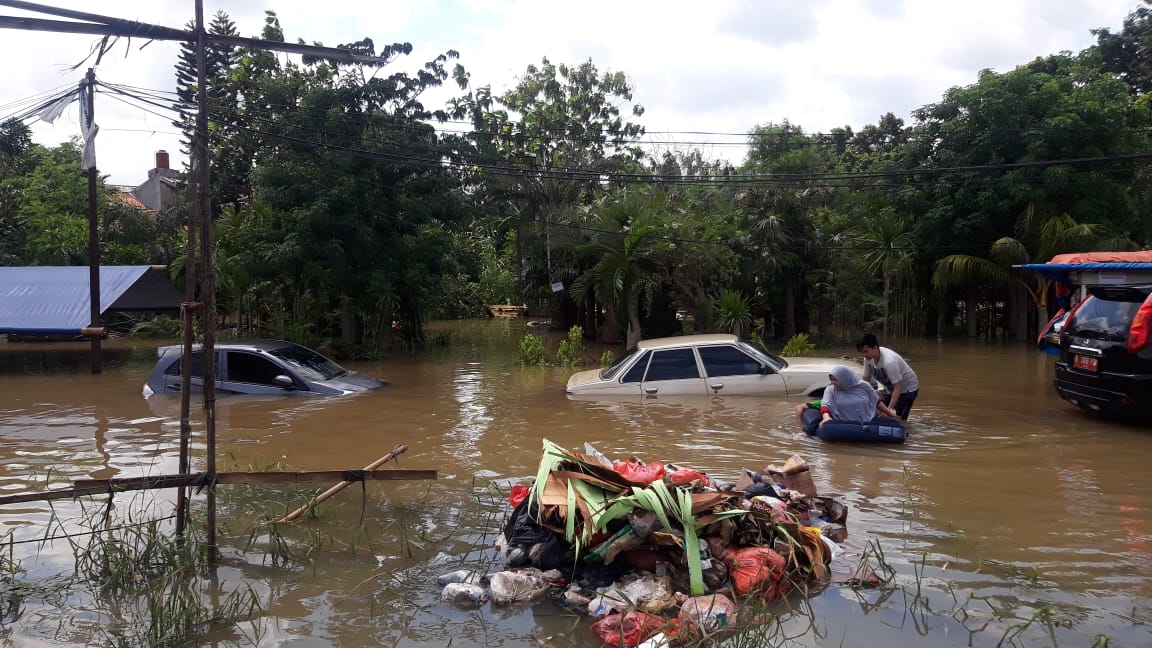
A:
{"points": [[87, 105], [203, 210]]}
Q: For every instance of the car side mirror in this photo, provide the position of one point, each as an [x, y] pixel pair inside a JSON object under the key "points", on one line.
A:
{"points": [[284, 381], [765, 370]]}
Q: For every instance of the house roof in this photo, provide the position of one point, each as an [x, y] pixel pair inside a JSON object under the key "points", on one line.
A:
{"points": [[54, 300], [127, 198]]}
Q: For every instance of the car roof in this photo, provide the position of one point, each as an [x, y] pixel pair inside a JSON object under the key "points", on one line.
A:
{"points": [[235, 345], [686, 340]]}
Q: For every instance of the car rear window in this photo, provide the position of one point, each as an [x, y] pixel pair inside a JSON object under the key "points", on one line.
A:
{"points": [[196, 365], [1106, 316]]}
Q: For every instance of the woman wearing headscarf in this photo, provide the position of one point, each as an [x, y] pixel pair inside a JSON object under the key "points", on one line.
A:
{"points": [[850, 399]]}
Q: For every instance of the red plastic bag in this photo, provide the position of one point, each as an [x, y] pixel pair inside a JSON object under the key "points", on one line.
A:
{"points": [[638, 472], [757, 569], [687, 476], [628, 629], [519, 492]]}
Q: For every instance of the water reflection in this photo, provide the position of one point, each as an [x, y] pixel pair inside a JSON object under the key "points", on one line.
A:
{"points": [[474, 419]]}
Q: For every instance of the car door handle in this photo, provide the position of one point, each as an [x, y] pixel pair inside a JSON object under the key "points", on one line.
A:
{"points": [[651, 390], [716, 386]]}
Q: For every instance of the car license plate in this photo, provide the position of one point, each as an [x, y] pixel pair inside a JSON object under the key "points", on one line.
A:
{"points": [[1087, 363]]}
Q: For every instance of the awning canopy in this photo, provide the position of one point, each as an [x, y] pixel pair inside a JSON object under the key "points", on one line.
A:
{"points": [[54, 300], [1096, 267]]}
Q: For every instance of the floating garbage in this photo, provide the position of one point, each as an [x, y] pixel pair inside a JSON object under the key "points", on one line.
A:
{"points": [[657, 551], [464, 594]]}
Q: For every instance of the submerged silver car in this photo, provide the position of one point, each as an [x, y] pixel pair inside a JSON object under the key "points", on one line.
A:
{"points": [[716, 364], [258, 367]]}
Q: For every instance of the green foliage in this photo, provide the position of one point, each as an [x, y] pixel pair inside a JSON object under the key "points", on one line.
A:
{"points": [[798, 345], [606, 358], [532, 352], [157, 327], [622, 270], [571, 351], [53, 210], [733, 313]]}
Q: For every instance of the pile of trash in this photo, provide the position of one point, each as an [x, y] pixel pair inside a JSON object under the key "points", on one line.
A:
{"points": [[658, 553]]}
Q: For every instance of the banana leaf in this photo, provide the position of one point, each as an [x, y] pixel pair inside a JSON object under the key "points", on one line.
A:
{"points": [[570, 521], [691, 543]]}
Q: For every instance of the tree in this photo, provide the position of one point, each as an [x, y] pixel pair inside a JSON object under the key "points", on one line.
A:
{"points": [[622, 270], [1038, 242], [1129, 53], [15, 162], [887, 246], [552, 139], [356, 206], [230, 146]]}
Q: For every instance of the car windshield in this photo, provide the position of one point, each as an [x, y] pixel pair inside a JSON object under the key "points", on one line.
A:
{"points": [[776, 362], [310, 364], [607, 373]]}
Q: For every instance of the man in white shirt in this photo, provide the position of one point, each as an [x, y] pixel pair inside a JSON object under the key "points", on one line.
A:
{"points": [[887, 367]]}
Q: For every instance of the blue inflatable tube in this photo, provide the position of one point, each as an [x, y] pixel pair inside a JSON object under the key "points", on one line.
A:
{"points": [[879, 430]]}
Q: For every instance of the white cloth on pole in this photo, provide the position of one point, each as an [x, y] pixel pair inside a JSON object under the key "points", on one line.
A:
{"points": [[52, 111], [88, 129]]}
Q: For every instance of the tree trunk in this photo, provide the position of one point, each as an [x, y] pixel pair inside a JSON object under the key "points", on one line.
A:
{"points": [[347, 321], [972, 324], [887, 300], [789, 308], [823, 310], [1018, 314], [803, 322], [386, 332], [633, 327]]}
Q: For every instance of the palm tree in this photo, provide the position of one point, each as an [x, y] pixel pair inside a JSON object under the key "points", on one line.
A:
{"points": [[1054, 236], [889, 248], [622, 269]]}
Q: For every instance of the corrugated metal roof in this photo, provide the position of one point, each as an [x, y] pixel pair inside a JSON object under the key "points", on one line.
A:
{"points": [[53, 300]]}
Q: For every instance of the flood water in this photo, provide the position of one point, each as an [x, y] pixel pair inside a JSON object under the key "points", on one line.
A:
{"points": [[1005, 505]]}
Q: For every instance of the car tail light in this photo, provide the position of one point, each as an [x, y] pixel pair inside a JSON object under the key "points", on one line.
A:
{"points": [[1138, 335]]}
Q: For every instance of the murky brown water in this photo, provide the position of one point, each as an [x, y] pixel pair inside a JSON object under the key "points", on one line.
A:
{"points": [[1005, 499]]}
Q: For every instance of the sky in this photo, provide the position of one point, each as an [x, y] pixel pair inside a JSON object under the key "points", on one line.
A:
{"points": [[705, 72]]}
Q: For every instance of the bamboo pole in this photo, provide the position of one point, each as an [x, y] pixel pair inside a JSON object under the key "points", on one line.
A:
{"points": [[397, 450]]}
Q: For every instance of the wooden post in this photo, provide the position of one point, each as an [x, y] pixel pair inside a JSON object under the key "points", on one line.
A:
{"points": [[207, 264], [399, 449], [87, 94]]}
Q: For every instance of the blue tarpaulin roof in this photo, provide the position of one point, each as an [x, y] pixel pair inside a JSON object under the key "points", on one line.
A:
{"points": [[54, 300], [1059, 271]]}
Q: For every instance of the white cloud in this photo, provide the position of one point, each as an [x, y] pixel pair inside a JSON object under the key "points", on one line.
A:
{"points": [[722, 66]]}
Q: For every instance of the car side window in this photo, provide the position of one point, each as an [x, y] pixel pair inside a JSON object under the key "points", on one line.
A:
{"points": [[727, 361], [673, 364], [251, 368], [196, 365], [636, 373]]}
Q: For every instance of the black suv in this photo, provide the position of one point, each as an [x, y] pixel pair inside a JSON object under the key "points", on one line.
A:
{"points": [[1106, 352]]}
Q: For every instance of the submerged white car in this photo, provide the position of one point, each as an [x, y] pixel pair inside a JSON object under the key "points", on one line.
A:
{"points": [[716, 364]]}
